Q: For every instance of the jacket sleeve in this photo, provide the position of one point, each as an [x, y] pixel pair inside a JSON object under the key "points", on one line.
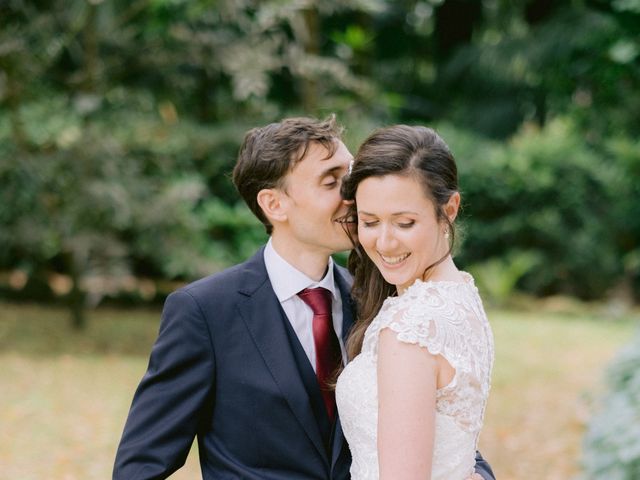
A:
{"points": [[483, 468], [174, 397]]}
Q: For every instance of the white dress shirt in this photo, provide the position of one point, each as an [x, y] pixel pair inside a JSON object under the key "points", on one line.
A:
{"points": [[287, 282]]}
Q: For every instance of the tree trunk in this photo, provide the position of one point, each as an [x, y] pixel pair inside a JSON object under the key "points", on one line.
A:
{"points": [[312, 48], [76, 298], [77, 309], [13, 104], [91, 52]]}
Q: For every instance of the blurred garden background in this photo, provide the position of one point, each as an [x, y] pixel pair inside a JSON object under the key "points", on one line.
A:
{"points": [[120, 123]]}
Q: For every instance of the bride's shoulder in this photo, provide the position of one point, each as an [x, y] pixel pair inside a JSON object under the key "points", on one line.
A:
{"points": [[431, 294]]}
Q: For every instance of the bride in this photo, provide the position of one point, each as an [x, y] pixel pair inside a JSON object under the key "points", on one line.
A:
{"points": [[412, 400]]}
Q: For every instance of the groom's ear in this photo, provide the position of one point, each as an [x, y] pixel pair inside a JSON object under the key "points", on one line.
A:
{"points": [[271, 203]]}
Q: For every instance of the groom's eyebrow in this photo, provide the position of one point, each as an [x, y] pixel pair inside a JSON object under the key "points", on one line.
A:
{"points": [[330, 171]]}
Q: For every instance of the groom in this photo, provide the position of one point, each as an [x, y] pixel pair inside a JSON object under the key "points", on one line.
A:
{"points": [[241, 355]]}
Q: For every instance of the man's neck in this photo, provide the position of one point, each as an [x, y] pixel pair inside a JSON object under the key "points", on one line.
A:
{"points": [[310, 262]]}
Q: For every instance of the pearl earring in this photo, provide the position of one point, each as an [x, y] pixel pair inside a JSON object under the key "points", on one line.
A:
{"points": [[446, 233]]}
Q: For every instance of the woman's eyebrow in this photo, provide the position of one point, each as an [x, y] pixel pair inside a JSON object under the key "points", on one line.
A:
{"points": [[395, 214]]}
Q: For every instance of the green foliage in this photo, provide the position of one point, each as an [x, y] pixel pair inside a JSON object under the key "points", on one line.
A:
{"points": [[497, 278], [88, 196], [626, 153], [612, 441], [546, 193], [532, 61], [234, 233], [120, 123], [115, 135]]}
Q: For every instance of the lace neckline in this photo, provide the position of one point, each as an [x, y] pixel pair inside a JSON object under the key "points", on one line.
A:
{"points": [[419, 284]]}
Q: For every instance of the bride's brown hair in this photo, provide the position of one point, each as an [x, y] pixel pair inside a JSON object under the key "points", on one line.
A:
{"points": [[416, 152]]}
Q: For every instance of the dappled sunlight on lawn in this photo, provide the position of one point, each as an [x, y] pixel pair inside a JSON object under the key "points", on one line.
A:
{"points": [[547, 375], [65, 396], [62, 416]]}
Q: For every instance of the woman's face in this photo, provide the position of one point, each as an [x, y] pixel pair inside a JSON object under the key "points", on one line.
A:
{"points": [[398, 227]]}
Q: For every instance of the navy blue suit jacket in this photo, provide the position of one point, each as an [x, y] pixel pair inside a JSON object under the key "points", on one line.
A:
{"points": [[228, 370]]}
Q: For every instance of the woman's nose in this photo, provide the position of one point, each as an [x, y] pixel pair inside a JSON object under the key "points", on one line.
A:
{"points": [[386, 240]]}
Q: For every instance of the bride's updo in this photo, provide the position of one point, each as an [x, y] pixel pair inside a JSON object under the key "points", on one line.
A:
{"points": [[416, 152]]}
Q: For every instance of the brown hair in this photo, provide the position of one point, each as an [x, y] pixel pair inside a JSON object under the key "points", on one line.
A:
{"points": [[418, 152], [268, 153]]}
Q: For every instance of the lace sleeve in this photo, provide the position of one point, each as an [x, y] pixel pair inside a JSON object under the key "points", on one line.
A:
{"points": [[431, 321], [416, 326]]}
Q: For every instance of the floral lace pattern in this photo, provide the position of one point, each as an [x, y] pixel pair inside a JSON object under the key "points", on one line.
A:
{"points": [[448, 319]]}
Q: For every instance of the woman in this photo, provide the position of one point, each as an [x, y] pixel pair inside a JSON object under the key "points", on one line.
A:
{"points": [[412, 400]]}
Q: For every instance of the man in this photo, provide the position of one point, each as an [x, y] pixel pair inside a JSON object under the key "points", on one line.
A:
{"points": [[243, 356]]}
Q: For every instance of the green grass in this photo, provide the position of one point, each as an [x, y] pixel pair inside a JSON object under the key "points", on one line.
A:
{"points": [[548, 372], [65, 395]]}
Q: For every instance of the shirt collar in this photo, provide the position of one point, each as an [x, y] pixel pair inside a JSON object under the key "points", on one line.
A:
{"points": [[287, 281]]}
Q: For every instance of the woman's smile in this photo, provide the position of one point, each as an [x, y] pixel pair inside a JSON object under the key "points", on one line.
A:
{"points": [[394, 261]]}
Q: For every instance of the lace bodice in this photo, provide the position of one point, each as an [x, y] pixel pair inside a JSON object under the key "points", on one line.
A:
{"points": [[448, 319]]}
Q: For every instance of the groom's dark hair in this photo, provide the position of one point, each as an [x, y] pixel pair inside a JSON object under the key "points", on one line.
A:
{"points": [[268, 153]]}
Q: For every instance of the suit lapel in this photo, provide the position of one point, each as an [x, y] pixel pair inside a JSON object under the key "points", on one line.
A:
{"points": [[344, 284], [263, 316]]}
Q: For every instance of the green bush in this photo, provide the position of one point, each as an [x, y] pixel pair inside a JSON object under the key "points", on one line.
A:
{"points": [[612, 442], [497, 277], [101, 190], [549, 195], [104, 190], [626, 208]]}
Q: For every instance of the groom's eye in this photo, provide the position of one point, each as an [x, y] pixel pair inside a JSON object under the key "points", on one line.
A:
{"points": [[330, 183]]}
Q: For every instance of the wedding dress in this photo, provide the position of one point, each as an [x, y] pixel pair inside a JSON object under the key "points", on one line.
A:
{"points": [[448, 319]]}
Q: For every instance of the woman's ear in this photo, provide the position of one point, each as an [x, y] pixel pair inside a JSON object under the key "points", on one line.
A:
{"points": [[271, 203], [452, 206]]}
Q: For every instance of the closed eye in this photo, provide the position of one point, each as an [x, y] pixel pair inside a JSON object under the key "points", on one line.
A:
{"points": [[330, 182], [406, 225], [371, 223]]}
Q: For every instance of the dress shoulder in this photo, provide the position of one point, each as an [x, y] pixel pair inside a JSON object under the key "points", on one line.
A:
{"points": [[429, 314]]}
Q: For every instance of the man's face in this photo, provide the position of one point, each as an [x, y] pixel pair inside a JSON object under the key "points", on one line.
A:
{"points": [[313, 203]]}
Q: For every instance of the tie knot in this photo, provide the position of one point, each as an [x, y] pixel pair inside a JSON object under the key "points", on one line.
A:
{"points": [[318, 299]]}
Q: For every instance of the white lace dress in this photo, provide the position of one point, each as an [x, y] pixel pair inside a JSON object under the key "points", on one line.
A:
{"points": [[448, 319]]}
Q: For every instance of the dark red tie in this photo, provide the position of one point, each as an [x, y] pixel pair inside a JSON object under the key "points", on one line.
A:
{"points": [[328, 354]]}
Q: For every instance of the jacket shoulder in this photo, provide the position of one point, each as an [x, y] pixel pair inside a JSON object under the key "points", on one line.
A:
{"points": [[233, 279]]}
